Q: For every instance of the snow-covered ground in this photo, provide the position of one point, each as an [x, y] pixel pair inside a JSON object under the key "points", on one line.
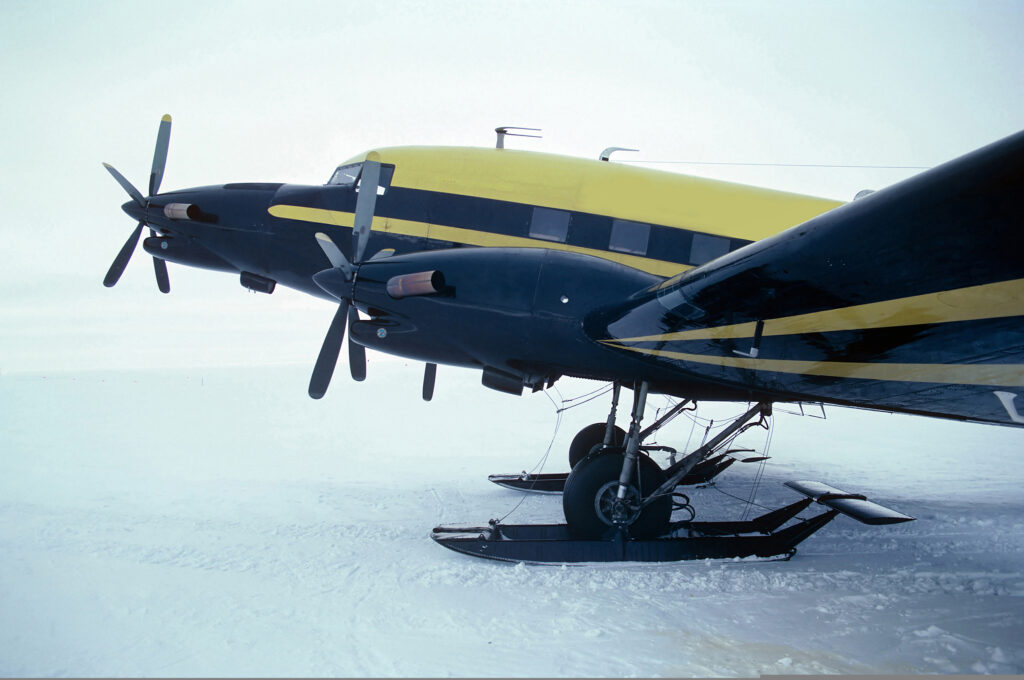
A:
{"points": [[219, 522]]}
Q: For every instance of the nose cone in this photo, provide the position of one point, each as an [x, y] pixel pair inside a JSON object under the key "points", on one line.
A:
{"points": [[134, 210], [334, 283]]}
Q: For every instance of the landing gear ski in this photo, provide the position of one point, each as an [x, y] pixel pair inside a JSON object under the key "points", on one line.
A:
{"points": [[687, 540]]}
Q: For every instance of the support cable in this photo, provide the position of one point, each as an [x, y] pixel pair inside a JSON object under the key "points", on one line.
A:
{"points": [[760, 469], [781, 165], [559, 409], [591, 396]]}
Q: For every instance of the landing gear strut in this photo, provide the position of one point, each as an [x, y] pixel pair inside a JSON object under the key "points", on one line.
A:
{"points": [[598, 435]]}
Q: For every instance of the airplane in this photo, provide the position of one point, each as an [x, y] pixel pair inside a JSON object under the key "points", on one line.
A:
{"points": [[529, 267]]}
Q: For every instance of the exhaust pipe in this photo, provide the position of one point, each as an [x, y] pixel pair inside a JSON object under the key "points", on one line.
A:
{"points": [[182, 211], [420, 283]]}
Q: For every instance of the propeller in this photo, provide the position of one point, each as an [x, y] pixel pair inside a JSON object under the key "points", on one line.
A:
{"points": [[339, 282], [163, 137]]}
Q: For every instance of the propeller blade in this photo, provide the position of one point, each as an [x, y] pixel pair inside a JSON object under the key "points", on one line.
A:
{"points": [[356, 352], [328, 359], [126, 185], [334, 254], [160, 267], [163, 138], [121, 261], [366, 203], [429, 376]]}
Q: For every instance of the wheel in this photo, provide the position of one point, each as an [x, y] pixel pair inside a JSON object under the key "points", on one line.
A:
{"points": [[590, 495], [589, 437]]}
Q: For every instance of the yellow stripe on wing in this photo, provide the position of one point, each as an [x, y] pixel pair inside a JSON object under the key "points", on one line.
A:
{"points": [[987, 301], [996, 375]]}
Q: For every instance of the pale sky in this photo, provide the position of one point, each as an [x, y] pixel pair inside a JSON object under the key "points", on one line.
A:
{"points": [[271, 91]]}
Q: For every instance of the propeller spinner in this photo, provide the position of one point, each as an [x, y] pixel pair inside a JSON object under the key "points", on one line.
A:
{"points": [[163, 137]]}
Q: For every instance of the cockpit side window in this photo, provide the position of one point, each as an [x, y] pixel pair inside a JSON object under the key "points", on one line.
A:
{"points": [[346, 175], [386, 173], [350, 176]]}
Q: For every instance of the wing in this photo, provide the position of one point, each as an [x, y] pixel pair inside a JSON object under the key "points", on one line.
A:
{"points": [[910, 299]]}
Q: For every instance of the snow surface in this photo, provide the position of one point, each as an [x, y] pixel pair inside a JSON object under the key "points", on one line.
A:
{"points": [[219, 522]]}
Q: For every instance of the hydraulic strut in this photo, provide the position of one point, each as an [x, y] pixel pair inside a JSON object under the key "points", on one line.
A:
{"points": [[609, 428], [633, 439]]}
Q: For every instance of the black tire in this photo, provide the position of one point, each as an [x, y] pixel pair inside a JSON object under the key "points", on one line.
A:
{"points": [[589, 437], [592, 474]]}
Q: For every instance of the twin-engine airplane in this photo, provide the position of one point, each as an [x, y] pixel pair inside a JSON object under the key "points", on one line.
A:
{"points": [[529, 267]]}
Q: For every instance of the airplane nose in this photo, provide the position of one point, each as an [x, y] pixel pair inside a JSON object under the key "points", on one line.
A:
{"points": [[134, 210]]}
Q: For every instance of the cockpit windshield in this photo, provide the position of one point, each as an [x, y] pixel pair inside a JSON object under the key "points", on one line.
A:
{"points": [[346, 175]]}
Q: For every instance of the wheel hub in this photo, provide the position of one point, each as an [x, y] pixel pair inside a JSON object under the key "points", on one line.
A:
{"points": [[615, 511]]}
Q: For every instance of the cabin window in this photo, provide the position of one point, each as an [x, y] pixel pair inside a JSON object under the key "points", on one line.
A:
{"points": [[550, 225], [630, 237], [707, 247]]}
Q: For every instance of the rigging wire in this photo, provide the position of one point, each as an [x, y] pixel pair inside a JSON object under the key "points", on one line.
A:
{"points": [[784, 165], [760, 470], [559, 409], [693, 426], [599, 391], [742, 500], [588, 397]]}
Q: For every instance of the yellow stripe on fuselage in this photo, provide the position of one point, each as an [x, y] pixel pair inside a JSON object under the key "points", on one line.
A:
{"points": [[301, 213], [988, 301], [471, 237], [602, 188]]}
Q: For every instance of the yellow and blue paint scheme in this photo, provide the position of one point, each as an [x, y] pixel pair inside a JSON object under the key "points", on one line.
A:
{"points": [[909, 299]]}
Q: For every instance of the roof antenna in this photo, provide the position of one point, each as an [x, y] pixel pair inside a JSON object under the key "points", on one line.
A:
{"points": [[607, 153], [504, 130]]}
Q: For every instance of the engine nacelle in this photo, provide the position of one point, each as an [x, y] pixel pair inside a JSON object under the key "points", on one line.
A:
{"points": [[516, 312]]}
